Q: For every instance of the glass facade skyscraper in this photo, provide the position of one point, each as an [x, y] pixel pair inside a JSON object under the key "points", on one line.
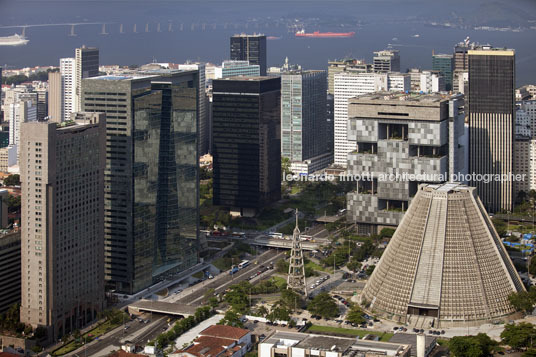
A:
{"points": [[250, 48], [492, 123], [246, 142], [151, 177], [304, 125], [445, 65]]}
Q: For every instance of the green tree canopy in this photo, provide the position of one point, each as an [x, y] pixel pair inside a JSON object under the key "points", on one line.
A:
{"points": [[522, 335], [323, 305], [12, 180], [356, 315], [472, 346]]}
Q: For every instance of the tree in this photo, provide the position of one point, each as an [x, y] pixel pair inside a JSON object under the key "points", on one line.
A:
{"points": [[472, 346], [13, 203], [12, 180], [323, 305], [290, 299], [522, 335], [523, 300], [532, 266], [231, 318], [282, 266], [278, 313], [531, 352], [285, 166], [238, 296], [262, 311], [370, 269], [500, 226], [353, 265], [213, 302], [356, 315]]}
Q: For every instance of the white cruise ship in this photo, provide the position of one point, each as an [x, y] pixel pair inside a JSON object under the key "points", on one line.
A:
{"points": [[15, 40]]}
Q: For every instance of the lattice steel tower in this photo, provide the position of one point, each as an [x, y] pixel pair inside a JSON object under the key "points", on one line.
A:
{"points": [[296, 269]]}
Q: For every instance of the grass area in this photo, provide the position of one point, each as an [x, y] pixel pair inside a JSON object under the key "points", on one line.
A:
{"points": [[279, 281], [384, 336], [89, 336], [198, 275], [295, 189], [317, 267]]}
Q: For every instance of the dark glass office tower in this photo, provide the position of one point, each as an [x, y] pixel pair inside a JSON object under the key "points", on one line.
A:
{"points": [[151, 177], [246, 130], [250, 48], [445, 65], [491, 123]]}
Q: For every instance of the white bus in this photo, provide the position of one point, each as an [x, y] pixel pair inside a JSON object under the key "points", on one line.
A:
{"points": [[243, 264]]}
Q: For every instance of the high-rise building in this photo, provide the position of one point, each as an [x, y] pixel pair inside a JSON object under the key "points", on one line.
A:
{"points": [[20, 106], [10, 268], [151, 194], [525, 147], [202, 105], [445, 265], [461, 65], [68, 87], [491, 123], [400, 134], [246, 142], [250, 48], [350, 85], [345, 65], [55, 97], [432, 82], [87, 66], [304, 123], [386, 61], [42, 103], [62, 230], [444, 64], [236, 68]]}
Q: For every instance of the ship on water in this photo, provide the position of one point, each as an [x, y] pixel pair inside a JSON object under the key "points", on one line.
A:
{"points": [[15, 40], [318, 34]]}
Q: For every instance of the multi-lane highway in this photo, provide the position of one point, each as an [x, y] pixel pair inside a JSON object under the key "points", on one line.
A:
{"points": [[194, 295]]}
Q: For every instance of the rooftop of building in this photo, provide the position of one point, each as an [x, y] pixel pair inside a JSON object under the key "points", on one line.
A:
{"points": [[122, 353], [225, 331], [424, 98], [247, 78], [247, 35], [344, 345], [446, 187], [209, 346], [125, 77]]}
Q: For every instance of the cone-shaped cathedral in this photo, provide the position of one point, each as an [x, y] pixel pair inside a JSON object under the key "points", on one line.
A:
{"points": [[445, 265]]}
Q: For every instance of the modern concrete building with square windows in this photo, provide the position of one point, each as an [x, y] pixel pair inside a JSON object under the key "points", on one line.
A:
{"points": [[304, 125], [411, 134], [151, 192], [62, 223]]}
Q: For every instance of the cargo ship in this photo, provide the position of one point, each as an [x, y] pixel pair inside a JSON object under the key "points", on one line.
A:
{"points": [[15, 40], [318, 34]]}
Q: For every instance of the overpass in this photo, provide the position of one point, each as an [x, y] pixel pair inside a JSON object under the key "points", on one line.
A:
{"points": [[282, 243], [161, 307]]}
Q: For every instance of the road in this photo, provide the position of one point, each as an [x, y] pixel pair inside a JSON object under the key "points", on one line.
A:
{"points": [[137, 333], [195, 297]]}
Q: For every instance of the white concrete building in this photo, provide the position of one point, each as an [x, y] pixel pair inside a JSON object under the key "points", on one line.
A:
{"points": [[432, 82], [351, 85], [529, 108], [20, 106], [68, 87]]}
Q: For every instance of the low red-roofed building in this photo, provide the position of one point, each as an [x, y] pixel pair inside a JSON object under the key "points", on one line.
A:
{"points": [[218, 341]]}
